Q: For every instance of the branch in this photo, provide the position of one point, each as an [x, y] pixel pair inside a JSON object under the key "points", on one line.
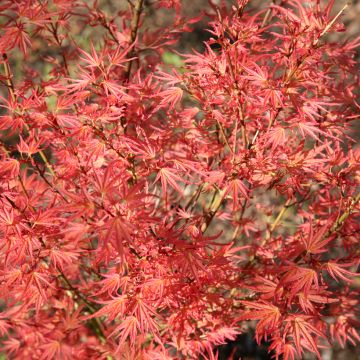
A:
{"points": [[341, 220], [216, 203], [138, 7], [10, 84]]}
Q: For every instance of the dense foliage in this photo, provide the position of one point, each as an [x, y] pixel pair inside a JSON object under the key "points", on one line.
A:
{"points": [[152, 210]]}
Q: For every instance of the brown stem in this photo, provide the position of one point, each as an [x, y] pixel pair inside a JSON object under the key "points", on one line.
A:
{"points": [[214, 208], [239, 107], [9, 82], [138, 7]]}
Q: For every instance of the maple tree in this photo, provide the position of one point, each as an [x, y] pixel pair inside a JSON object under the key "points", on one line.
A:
{"points": [[154, 211]]}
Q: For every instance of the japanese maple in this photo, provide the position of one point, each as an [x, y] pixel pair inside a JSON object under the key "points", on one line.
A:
{"points": [[154, 209]]}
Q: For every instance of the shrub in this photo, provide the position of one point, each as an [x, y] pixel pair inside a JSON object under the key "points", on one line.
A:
{"points": [[155, 209]]}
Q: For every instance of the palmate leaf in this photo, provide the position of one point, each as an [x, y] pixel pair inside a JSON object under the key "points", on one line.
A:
{"points": [[167, 177], [283, 349], [16, 36], [171, 96], [310, 130], [127, 330], [52, 350], [237, 189], [315, 243], [40, 281], [113, 308], [310, 302], [269, 317], [169, 78], [61, 257], [268, 289], [9, 168], [298, 279], [145, 314], [118, 230], [258, 75], [93, 60], [110, 284], [30, 146], [140, 321], [4, 326], [304, 333], [337, 271], [11, 345], [223, 334], [289, 352], [276, 137], [345, 329], [111, 87]]}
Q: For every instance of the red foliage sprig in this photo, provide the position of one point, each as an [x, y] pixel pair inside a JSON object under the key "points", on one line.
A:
{"points": [[150, 211]]}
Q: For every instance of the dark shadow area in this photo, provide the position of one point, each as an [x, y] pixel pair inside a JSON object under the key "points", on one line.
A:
{"points": [[244, 347]]}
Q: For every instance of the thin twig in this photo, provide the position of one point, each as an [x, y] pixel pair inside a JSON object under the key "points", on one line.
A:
{"points": [[214, 208], [138, 7], [340, 221]]}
